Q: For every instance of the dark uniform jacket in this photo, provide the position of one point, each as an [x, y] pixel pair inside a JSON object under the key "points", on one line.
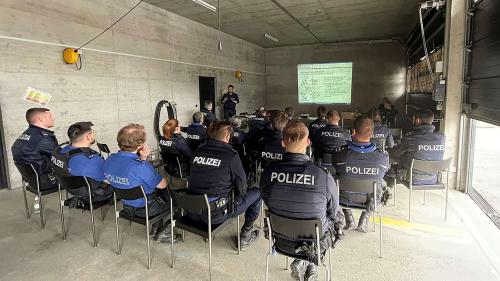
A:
{"points": [[230, 101], [34, 146], [315, 127], [382, 132], [361, 161], [196, 135], [388, 115], [176, 148], [208, 117], [421, 143], [271, 148], [330, 138], [297, 188], [216, 170]]}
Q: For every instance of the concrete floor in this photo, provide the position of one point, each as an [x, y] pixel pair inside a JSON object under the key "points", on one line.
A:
{"points": [[426, 249]]}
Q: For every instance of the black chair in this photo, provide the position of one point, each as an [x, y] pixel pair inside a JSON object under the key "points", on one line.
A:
{"points": [[31, 183], [133, 194], [298, 230], [175, 165], [197, 203], [436, 167], [379, 142], [397, 134], [363, 186], [69, 183]]}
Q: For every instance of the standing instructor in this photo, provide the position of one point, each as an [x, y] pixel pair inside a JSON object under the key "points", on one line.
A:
{"points": [[229, 100]]}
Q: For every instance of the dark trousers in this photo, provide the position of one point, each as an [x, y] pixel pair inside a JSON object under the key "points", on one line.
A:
{"points": [[248, 204], [158, 203], [228, 113]]}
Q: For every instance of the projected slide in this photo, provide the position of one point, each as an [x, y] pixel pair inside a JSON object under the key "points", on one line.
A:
{"points": [[325, 83]]}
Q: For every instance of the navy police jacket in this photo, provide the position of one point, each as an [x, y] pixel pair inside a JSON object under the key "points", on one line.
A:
{"points": [[35, 146], [230, 101], [216, 170], [315, 127], [381, 131], [330, 138], [177, 145], [196, 135], [297, 188], [208, 117], [270, 148], [421, 143]]}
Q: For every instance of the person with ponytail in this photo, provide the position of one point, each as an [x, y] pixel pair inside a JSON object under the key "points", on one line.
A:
{"points": [[174, 146]]}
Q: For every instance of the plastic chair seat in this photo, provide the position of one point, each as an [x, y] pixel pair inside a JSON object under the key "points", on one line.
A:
{"points": [[199, 228], [86, 206], [42, 191], [152, 219]]}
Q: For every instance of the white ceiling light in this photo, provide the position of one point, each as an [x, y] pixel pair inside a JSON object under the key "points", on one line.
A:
{"points": [[271, 38], [206, 5]]}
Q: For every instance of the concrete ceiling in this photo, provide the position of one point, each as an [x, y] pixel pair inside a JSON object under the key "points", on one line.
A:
{"points": [[327, 20]]}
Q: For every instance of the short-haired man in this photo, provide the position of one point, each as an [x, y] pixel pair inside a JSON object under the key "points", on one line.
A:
{"points": [[360, 159], [421, 143], [35, 145], [297, 188], [271, 147], [208, 114], [216, 170], [78, 159], [258, 123], [196, 132], [380, 131], [330, 137], [316, 125], [229, 100], [129, 168]]}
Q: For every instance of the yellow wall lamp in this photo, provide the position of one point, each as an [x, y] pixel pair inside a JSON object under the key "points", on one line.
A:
{"points": [[73, 56], [239, 75]]}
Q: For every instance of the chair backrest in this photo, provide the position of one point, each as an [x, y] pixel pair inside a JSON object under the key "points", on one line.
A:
{"points": [[28, 173], [379, 142], [182, 199], [397, 133], [71, 182], [130, 194], [352, 185], [103, 148], [294, 228], [431, 167]]}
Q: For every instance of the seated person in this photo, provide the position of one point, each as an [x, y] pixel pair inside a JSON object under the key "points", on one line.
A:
{"points": [[259, 122], [421, 143], [331, 137], [313, 195], [208, 114], [174, 146], [196, 132], [289, 112], [380, 131], [35, 145], [316, 125], [129, 168], [217, 171], [78, 159], [360, 159], [239, 142], [388, 113], [271, 146]]}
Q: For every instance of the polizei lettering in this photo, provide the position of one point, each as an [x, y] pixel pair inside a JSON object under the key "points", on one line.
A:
{"points": [[193, 137], [24, 137], [166, 143], [362, 170], [271, 155], [57, 162], [331, 134], [116, 179], [431, 147], [379, 136], [318, 125], [207, 161], [293, 178]]}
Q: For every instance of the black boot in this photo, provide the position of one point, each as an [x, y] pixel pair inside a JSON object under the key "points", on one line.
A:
{"points": [[248, 237], [349, 219], [363, 222]]}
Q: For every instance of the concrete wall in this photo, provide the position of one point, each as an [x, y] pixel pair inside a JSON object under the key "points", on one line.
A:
{"points": [[114, 89], [378, 71]]}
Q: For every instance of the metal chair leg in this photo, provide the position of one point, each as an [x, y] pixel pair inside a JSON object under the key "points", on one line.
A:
{"points": [[374, 224], [42, 225], [409, 206], [61, 206], [395, 188], [286, 263], [172, 224], [424, 197], [446, 200], [94, 237], [270, 249], [117, 214], [238, 233], [380, 235], [210, 253], [330, 262], [28, 215], [148, 246]]}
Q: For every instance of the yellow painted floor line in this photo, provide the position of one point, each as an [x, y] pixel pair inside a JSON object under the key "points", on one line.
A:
{"points": [[400, 223]]}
